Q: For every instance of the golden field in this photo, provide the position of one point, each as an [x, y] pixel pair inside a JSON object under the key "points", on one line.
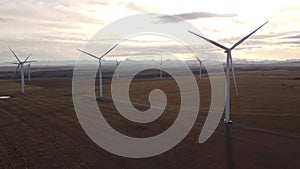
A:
{"points": [[39, 129]]}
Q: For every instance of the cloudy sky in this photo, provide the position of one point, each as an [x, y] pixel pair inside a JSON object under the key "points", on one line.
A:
{"points": [[53, 29]]}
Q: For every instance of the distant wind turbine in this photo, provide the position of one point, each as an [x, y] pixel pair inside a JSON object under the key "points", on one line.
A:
{"points": [[100, 66], [29, 78], [20, 63], [29, 73], [160, 71], [229, 66], [118, 63], [200, 63]]}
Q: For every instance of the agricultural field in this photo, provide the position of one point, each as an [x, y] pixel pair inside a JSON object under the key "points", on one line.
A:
{"points": [[39, 129]]}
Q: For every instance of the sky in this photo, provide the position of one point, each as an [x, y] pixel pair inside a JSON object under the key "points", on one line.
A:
{"points": [[53, 29]]}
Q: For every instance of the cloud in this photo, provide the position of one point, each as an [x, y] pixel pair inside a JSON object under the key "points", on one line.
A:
{"points": [[290, 43], [192, 16], [48, 29], [239, 21], [99, 2], [281, 35], [3, 19], [53, 29], [134, 7], [292, 37]]}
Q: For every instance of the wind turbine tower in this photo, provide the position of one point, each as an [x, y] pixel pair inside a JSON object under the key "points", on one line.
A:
{"points": [[160, 71], [29, 72], [118, 63]]}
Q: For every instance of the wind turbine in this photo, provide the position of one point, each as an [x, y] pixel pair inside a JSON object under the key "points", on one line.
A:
{"points": [[100, 66], [28, 66], [229, 66], [118, 63], [160, 71], [200, 63], [20, 63]]}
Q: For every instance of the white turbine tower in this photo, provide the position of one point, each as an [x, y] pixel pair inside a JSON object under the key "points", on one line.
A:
{"points": [[100, 66], [118, 63], [20, 63], [229, 66], [160, 71], [29, 78], [28, 67], [200, 69]]}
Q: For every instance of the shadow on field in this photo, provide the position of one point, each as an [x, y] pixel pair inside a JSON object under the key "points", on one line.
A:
{"points": [[229, 150]]}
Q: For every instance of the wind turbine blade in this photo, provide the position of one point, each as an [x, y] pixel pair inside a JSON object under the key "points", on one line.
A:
{"points": [[110, 49], [233, 75], [104, 53], [211, 41], [27, 57], [12, 62], [14, 55], [246, 37], [15, 71], [94, 56]]}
